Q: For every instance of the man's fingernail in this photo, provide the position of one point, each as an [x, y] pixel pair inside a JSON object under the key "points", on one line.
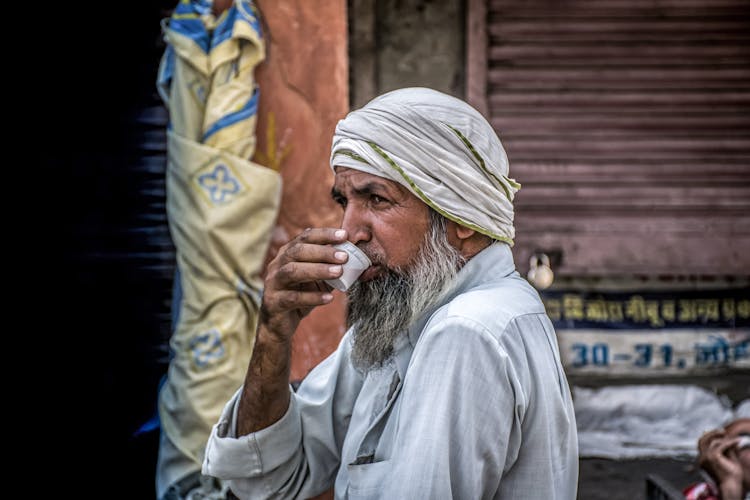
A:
{"points": [[334, 269], [340, 233], [327, 297], [340, 256]]}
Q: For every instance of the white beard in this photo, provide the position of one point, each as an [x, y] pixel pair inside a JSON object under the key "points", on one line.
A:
{"points": [[383, 308]]}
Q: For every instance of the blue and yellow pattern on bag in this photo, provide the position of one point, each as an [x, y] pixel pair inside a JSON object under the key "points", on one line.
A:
{"points": [[221, 208]]}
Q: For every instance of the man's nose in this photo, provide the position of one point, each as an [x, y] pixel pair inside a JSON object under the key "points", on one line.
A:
{"points": [[356, 224]]}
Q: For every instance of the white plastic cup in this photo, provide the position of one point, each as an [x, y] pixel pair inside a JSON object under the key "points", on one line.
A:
{"points": [[353, 267]]}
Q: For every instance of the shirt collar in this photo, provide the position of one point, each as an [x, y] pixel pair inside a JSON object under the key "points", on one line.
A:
{"points": [[491, 264]]}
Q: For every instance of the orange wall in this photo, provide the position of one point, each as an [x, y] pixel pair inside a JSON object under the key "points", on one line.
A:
{"points": [[304, 83]]}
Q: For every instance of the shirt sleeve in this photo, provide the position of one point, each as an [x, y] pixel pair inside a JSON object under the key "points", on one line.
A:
{"points": [[299, 455]]}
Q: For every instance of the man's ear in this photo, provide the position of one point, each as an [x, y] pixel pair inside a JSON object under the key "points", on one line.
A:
{"points": [[465, 240], [457, 233], [464, 232]]}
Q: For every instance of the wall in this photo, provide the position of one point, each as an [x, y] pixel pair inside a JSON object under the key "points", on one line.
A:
{"points": [[404, 43], [303, 83]]}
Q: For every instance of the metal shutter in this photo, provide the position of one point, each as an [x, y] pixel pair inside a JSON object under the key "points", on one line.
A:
{"points": [[628, 124]]}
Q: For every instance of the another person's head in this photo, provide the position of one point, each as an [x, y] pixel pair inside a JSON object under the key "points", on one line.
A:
{"points": [[725, 455], [423, 182], [740, 429]]}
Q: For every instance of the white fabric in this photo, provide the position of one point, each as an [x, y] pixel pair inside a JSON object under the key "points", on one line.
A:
{"points": [[420, 131], [474, 405], [221, 208], [645, 421], [743, 409]]}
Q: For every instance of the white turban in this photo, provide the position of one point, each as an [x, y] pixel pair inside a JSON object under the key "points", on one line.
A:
{"points": [[439, 148]]}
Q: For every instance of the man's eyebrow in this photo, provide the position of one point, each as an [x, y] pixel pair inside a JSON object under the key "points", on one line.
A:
{"points": [[364, 190], [370, 188]]}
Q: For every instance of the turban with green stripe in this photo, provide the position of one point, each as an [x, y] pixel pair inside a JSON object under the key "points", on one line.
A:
{"points": [[439, 148]]}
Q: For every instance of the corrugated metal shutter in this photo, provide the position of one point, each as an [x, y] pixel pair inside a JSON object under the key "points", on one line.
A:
{"points": [[628, 124]]}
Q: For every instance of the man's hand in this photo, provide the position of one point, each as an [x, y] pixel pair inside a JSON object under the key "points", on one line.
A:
{"points": [[294, 280], [718, 456], [293, 287]]}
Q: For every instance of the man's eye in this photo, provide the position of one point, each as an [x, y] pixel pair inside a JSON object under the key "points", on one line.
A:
{"points": [[341, 201], [376, 200]]}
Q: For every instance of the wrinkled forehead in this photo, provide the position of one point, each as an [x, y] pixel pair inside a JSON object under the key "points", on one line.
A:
{"points": [[341, 172]]}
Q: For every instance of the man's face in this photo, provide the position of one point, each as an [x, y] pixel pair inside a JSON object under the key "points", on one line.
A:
{"points": [[413, 261], [382, 218]]}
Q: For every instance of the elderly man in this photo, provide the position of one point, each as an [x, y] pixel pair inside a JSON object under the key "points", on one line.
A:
{"points": [[448, 383]]}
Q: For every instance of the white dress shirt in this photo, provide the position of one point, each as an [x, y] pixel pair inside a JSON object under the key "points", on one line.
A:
{"points": [[474, 404]]}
